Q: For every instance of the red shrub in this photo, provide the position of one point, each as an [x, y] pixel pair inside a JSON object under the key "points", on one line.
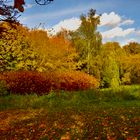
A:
{"points": [[26, 82]]}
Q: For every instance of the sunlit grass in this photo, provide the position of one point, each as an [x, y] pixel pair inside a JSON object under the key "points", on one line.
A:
{"points": [[83, 100]]}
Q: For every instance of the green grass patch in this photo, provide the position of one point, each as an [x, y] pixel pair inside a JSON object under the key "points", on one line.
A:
{"points": [[80, 100]]}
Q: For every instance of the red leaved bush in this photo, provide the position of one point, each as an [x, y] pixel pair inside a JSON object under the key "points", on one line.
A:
{"points": [[26, 82]]}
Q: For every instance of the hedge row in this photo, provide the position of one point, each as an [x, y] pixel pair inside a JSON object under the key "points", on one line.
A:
{"points": [[26, 82]]}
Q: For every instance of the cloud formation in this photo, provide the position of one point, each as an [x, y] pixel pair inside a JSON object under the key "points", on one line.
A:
{"points": [[69, 24], [117, 32], [112, 19], [127, 22]]}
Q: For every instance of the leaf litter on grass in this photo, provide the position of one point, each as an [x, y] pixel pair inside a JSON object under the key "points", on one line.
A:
{"points": [[118, 123]]}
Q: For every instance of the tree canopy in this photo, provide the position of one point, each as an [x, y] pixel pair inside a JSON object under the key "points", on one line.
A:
{"points": [[81, 50]]}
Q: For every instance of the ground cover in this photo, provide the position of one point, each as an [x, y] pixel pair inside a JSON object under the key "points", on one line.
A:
{"points": [[95, 114]]}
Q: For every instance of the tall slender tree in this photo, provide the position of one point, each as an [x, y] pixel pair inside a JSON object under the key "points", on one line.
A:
{"points": [[87, 40], [110, 72]]}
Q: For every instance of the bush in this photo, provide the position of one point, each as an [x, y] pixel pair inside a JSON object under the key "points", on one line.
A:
{"points": [[27, 82], [3, 88], [73, 81]]}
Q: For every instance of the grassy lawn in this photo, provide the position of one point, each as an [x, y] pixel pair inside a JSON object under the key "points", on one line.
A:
{"points": [[100, 114]]}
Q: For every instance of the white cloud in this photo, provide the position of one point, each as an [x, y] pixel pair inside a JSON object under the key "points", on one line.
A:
{"points": [[112, 19], [138, 32], [117, 32], [69, 24], [127, 22]]}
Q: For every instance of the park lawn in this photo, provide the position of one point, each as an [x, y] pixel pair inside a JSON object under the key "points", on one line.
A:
{"points": [[101, 114]]}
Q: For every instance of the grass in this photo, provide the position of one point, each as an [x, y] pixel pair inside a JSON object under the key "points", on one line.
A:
{"points": [[109, 114], [123, 96]]}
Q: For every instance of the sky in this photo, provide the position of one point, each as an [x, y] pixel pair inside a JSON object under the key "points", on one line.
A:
{"points": [[120, 19]]}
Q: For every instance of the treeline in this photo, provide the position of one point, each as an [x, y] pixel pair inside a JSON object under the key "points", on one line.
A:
{"points": [[81, 50]]}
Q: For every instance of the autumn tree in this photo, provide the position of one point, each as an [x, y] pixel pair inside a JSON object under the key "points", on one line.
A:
{"points": [[87, 41], [130, 69], [129, 64], [132, 48], [15, 50], [56, 52]]}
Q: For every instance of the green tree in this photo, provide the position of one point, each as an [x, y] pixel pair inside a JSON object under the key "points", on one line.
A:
{"points": [[110, 66], [87, 41]]}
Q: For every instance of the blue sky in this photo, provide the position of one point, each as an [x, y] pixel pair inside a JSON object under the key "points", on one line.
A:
{"points": [[120, 19]]}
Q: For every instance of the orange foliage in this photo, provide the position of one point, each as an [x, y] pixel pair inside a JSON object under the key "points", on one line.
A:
{"points": [[27, 82], [74, 80], [56, 52], [61, 48]]}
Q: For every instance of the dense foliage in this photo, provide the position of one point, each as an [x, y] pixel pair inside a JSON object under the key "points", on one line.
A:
{"points": [[28, 82], [56, 53], [15, 49], [35, 50]]}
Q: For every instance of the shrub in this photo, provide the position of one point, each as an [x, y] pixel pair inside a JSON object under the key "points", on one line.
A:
{"points": [[27, 82], [74, 80], [3, 88]]}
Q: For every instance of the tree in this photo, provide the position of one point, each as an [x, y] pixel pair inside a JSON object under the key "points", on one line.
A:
{"points": [[10, 12], [7, 12], [56, 52], [15, 50], [110, 73], [132, 48], [87, 41], [130, 65]]}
